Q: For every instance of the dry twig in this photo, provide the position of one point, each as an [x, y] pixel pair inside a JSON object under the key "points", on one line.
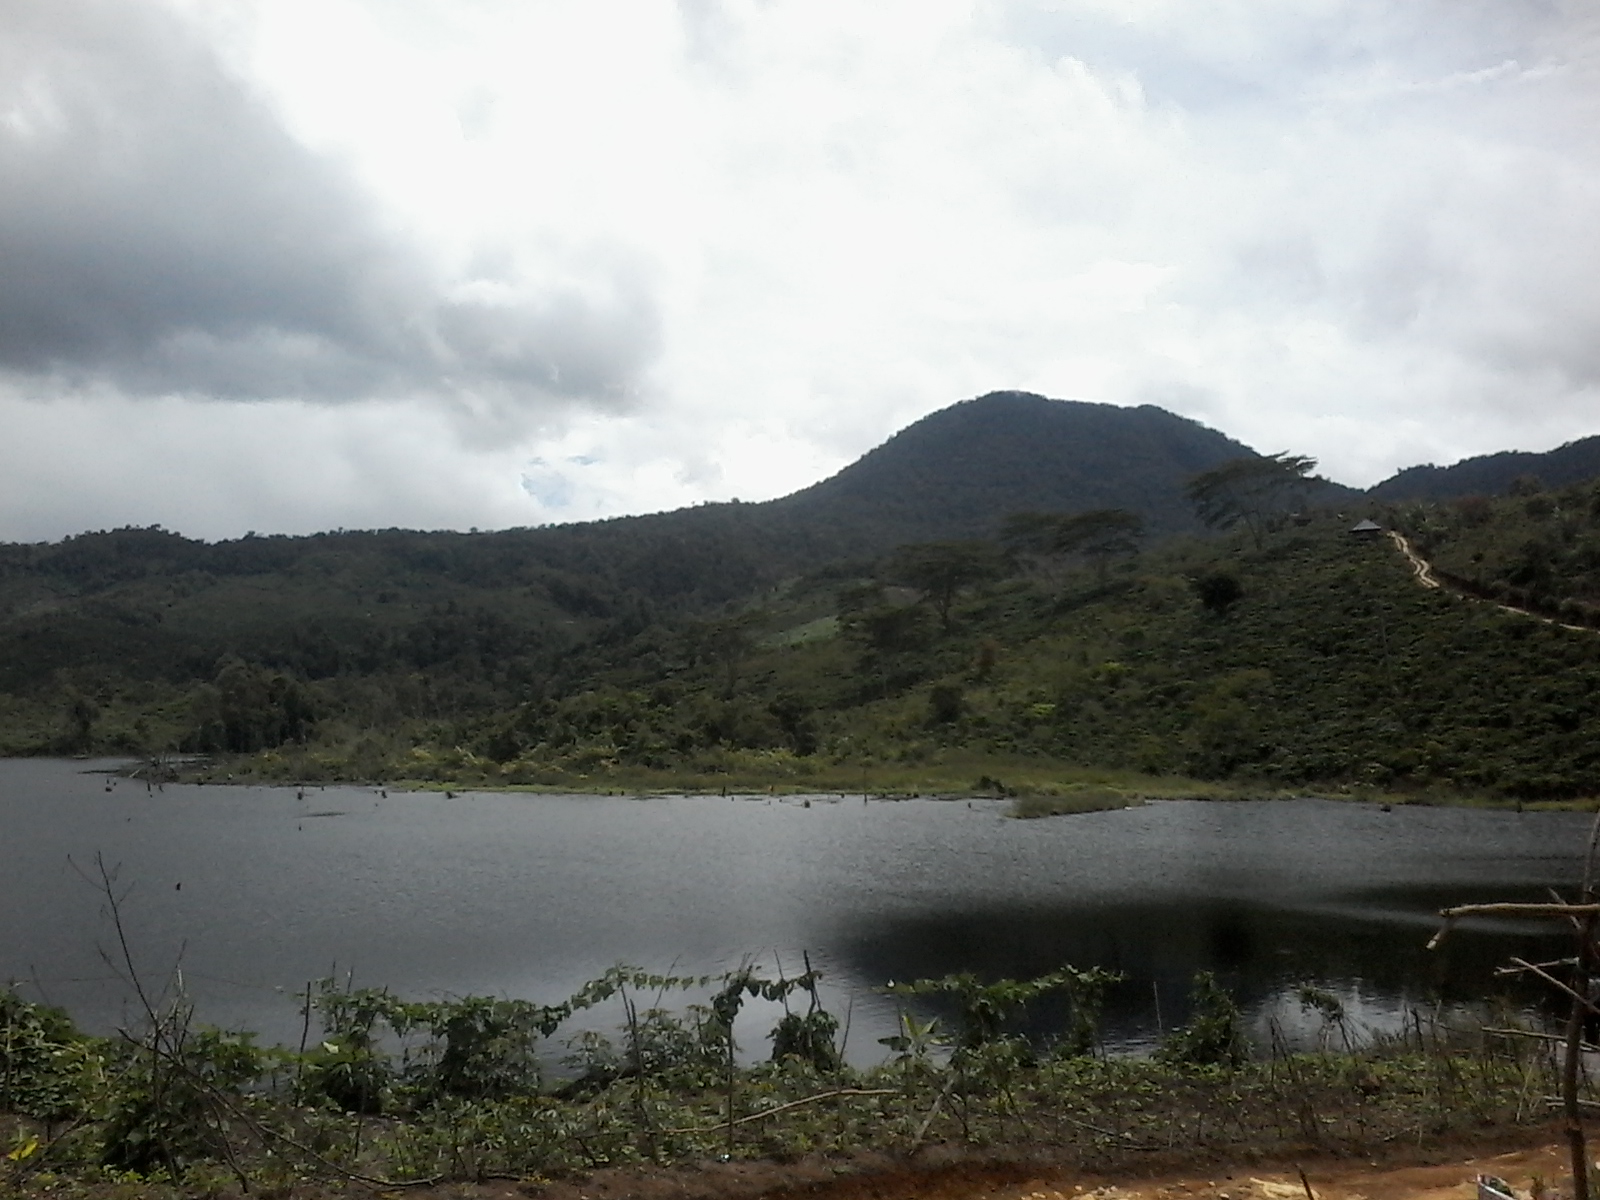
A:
{"points": [[768, 1112]]}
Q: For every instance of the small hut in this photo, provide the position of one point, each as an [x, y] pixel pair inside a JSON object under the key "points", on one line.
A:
{"points": [[1366, 529]]}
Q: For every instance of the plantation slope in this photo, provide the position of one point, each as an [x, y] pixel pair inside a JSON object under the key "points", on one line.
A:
{"points": [[1427, 578], [1538, 551], [1332, 666], [1328, 666]]}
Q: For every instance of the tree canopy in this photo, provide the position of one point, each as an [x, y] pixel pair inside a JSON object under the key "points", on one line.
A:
{"points": [[1098, 535], [1249, 490], [939, 570]]}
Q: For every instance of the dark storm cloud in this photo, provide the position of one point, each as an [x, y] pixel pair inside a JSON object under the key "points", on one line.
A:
{"points": [[161, 231]]}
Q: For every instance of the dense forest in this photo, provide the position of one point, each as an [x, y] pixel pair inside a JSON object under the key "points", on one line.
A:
{"points": [[982, 621], [1493, 474]]}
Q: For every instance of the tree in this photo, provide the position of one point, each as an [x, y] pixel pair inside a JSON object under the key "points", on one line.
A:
{"points": [[1101, 535], [1098, 535], [726, 642], [945, 703], [1249, 490], [1030, 532], [939, 570], [1218, 591], [246, 708], [82, 712], [889, 628]]}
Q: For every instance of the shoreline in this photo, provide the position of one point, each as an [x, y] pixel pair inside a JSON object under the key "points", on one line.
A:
{"points": [[1040, 789]]}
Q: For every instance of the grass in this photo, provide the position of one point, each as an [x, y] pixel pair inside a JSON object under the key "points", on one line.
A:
{"points": [[1081, 800], [952, 773], [1037, 786], [812, 631]]}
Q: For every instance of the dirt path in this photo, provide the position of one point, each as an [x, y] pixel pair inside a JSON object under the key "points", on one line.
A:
{"points": [[1451, 1181], [1423, 570], [1445, 1176], [1419, 565]]}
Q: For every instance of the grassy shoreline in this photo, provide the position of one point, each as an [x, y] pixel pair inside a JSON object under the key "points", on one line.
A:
{"points": [[1036, 787]]}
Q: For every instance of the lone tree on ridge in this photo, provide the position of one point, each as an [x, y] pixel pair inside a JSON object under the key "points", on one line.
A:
{"points": [[1249, 490]]}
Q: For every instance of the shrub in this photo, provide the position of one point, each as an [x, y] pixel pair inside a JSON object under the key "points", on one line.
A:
{"points": [[1212, 1037]]}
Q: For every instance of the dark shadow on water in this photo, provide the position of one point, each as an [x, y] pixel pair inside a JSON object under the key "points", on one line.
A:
{"points": [[1368, 949]]}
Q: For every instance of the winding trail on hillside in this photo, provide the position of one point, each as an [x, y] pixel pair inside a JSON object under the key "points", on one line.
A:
{"points": [[1422, 569]]}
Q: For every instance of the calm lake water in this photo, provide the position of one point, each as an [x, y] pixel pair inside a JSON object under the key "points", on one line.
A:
{"points": [[254, 891]]}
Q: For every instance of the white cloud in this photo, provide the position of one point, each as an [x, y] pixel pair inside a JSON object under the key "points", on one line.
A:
{"points": [[161, 232], [97, 460], [643, 254]]}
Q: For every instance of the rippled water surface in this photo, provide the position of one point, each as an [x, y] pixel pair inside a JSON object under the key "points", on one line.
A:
{"points": [[254, 891]]}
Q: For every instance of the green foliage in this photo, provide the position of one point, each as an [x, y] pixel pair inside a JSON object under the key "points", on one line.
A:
{"points": [[1098, 535], [1539, 551], [984, 1009], [1333, 668], [247, 708], [527, 659], [349, 1068], [916, 1040], [1250, 490], [1493, 474], [889, 629], [474, 1048], [1218, 591], [940, 570], [202, 1112], [1212, 1036], [809, 1037], [43, 1060], [1328, 1006], [944, 703], [164, 1114]]}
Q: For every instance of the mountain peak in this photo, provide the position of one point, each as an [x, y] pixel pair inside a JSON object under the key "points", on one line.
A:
{"points": [[959, 471]]}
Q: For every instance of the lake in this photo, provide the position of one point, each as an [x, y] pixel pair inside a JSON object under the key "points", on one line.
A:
{"points": [[254, 891]]}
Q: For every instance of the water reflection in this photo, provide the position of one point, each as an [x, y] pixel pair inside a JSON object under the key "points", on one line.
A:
{"points": [[1367, 950]]}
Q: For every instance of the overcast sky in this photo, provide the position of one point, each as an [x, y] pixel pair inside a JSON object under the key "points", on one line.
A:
{"points": [[291, 265]]}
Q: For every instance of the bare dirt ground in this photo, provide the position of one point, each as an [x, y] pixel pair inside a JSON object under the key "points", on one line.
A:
{"points": [[1437, 1174]]}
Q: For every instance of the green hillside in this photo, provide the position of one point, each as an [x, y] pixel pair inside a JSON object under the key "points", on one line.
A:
{"points": [[1332, 666], [1533, 549], [1314, 659], [802, 643]]}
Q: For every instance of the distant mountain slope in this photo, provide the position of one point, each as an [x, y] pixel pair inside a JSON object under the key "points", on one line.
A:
{"points": [[957, 473], [154, 604], [1492, 474], [960, 471]]}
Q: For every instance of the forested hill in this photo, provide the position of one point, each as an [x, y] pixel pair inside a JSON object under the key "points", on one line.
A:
{"points": [[959, 471], [148, 603], [1493, 474]]}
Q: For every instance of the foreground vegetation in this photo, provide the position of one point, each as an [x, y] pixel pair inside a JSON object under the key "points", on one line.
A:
{"points": [[395, 1092]]}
